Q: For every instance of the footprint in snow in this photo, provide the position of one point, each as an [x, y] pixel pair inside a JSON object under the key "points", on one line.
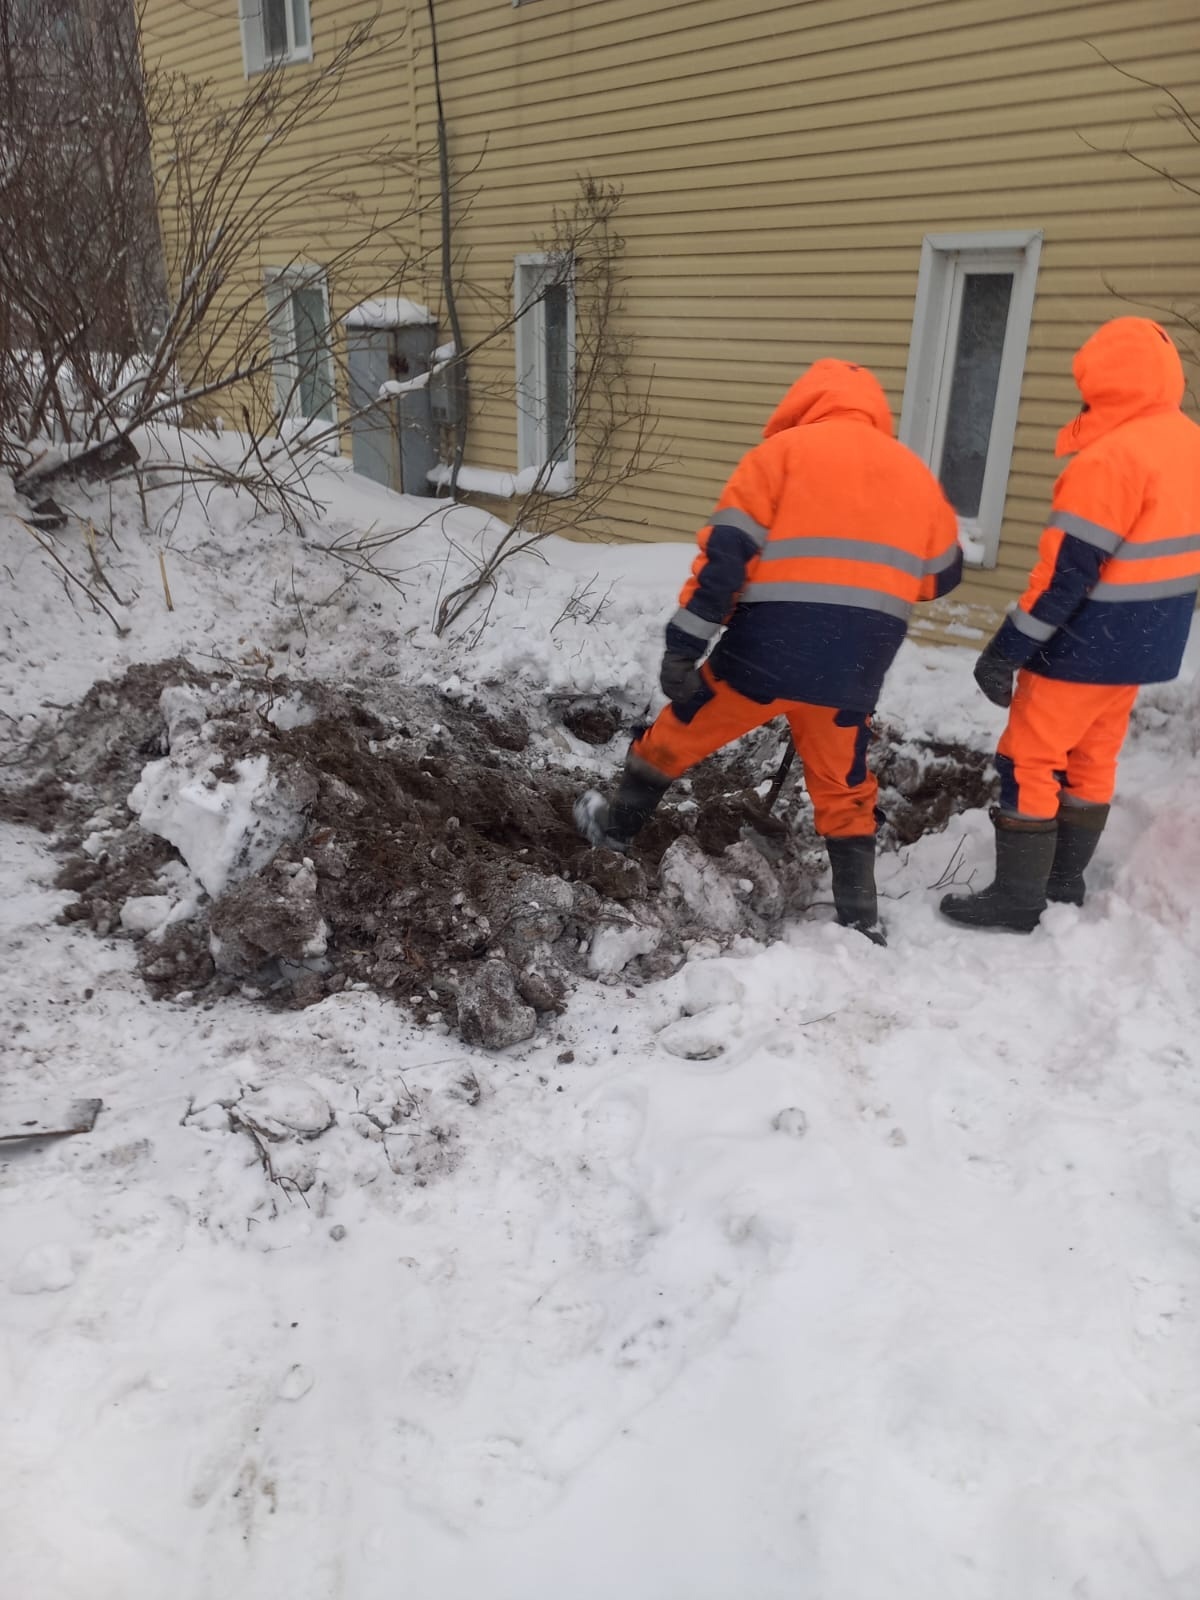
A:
{"points": [[792, 1121], [563, 1328], [220, 1462], [492, 1483], [399, 1453], [648, 1343], [704, 1037], [298, 1380], [746, 1223], [708, 984], [46, 1269], [1159, 1307], [615, 1122], [444, 1380]]}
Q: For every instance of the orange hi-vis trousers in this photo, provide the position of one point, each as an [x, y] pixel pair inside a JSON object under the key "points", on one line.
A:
{"points": [[831, 744], [1061, 744]]}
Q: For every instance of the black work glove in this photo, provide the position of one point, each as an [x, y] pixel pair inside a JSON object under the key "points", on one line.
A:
{"points": [[994, 675], [679, 677]]}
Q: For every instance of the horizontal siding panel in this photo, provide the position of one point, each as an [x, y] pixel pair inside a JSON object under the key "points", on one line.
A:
{"points": [[879, 125], [1167, 237], [904, 148], [845, 173], [980, 76], [978, 207], [839, 44]]}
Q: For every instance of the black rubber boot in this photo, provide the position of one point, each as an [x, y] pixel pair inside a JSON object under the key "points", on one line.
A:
{"points": [[854, 897], [1017, 898], [1079, 830], [614, 824]]}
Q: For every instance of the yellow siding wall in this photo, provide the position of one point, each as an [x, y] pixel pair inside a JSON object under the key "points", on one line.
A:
{"points": [[372, 121], [781, 163]]}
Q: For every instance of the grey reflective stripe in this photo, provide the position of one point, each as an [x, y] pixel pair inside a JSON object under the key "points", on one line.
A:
{"points": [[731, 517], [1093, 533], [1030, 626], [1164, 589], [937, 564], [879, 555], [1152, 548], [688, 622], [827, 594]]}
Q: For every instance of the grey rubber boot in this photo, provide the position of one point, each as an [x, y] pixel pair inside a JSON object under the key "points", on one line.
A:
{"points": [[1017, 897], [614, 824], [1079, 830], [853, 865]]}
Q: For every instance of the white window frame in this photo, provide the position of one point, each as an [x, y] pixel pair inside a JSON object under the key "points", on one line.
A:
{"points": [[279, 285], [946, 259], [254, 47], [533, 442]]}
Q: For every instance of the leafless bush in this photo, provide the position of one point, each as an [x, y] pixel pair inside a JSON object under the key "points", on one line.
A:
{"points": [[602, 437], [607, 420], [223, 331], [224, 341], [1183, 316], [603, 434], [81, 281], [234, 346], [583, 605]]}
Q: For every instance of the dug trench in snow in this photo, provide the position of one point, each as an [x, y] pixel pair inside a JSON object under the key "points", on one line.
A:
{"points": [[288, 839]]}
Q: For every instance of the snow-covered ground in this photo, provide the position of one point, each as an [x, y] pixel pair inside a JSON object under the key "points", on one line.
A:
{"points": [[816, 1271]]}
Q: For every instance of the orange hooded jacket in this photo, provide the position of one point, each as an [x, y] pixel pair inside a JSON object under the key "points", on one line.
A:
{"points": [[824, 538], [1111, 598]]}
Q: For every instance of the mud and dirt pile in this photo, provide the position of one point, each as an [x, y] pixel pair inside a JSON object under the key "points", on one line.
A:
{"points": [[289, 839]]}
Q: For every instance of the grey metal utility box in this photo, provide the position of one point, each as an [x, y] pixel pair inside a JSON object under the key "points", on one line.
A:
{"points": [[394, 443]]}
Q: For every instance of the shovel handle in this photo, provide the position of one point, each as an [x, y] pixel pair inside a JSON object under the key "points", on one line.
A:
{"points": [[780, 778]]}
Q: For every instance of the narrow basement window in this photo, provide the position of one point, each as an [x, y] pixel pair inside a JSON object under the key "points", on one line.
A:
{"points": [[298, 319], [274, 32], [963, 387], [545, 341]]}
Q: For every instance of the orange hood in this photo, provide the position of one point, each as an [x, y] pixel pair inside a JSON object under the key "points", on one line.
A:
{"points": [[832, 389], [1127, 368]]}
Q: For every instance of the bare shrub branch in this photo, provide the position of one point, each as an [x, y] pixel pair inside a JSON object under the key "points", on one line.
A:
{"points": [[227, 179], [82, 288], [1183, 315], [608, 421]]}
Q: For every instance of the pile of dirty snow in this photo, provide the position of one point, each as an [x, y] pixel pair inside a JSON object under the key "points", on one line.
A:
{"points": [[286, 839]]}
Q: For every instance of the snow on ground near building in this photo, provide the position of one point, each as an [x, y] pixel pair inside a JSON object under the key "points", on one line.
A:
{"points": [[817, 1270]]}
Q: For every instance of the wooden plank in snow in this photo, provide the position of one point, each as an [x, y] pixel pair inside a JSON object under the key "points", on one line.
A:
{"points": [[44, 1121]]}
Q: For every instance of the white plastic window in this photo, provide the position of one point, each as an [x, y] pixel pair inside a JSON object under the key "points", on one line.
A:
{"points": [[970, 331], [274, 32], [545, 341], [298, 319]]}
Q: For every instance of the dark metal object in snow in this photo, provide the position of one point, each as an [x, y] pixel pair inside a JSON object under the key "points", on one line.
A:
{"points": [[38, 1122], [780, 778], [93, 465], [48, 515]]}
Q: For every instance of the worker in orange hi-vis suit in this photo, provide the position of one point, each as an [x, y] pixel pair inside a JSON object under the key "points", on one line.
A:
{"points": [[1108, 608], [824, 538]]}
